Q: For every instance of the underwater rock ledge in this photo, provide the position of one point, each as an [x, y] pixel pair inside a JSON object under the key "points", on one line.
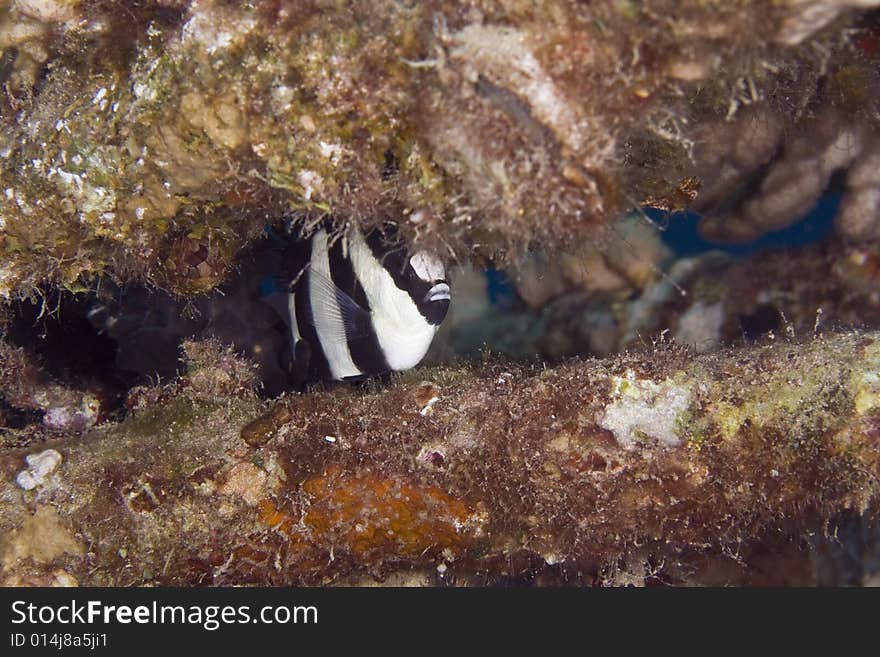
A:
{"points": [[659, 461], [152, 141]]}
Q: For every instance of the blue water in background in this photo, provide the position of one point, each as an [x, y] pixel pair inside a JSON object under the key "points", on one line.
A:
{"points": [[499, 289], [680, 233]]}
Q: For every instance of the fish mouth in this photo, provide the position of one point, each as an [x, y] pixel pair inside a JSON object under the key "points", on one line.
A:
{"points": [[439, 292]]}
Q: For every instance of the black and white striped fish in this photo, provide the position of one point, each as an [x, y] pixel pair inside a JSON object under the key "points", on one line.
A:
{"points": [[359, 305]]}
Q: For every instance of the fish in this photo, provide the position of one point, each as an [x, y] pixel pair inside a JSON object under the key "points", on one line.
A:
{"points": [[360, 305]]}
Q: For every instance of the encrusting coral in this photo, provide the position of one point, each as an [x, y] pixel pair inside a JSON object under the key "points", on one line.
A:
{"points": [[152, 141], [648, 465]]}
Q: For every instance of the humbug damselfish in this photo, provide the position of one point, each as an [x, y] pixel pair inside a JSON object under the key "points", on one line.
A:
{"points": [[359, 305]]}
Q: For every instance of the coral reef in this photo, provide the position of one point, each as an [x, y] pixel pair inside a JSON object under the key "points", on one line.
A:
{"points": [[39, 467], [24, 385], [763, 180], [859, 218], [149, 151], [654, 466], [625, 262], [703, 301], [152, 141]]}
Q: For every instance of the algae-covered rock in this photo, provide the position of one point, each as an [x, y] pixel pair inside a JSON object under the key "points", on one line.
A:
{"points": [[651, 466], [24, 385], [152, 141]]}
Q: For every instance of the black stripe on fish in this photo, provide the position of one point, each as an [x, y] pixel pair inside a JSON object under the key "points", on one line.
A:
{"points": [[309, 362], [386, 248], [333, 326], [361, 336]]}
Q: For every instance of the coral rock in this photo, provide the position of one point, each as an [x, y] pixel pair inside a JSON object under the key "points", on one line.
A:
{"points": [[40, 466], [516, 472]]}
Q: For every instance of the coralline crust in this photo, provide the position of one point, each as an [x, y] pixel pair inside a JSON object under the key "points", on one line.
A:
{"points": [[479, 126], [511, 476]]}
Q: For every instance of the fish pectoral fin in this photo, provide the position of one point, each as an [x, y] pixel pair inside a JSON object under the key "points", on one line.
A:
{"points": [[338, 308]]}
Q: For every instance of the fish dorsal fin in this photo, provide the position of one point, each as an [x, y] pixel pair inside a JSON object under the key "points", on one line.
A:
{"points": [[345, 317]]}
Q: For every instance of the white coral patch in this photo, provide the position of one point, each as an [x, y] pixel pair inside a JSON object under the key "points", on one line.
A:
{"points": [[332, 151], [7, 281], [215, 31], [806, 17], [311, 182], [48, 11], [643, 409], [40, 466]]}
